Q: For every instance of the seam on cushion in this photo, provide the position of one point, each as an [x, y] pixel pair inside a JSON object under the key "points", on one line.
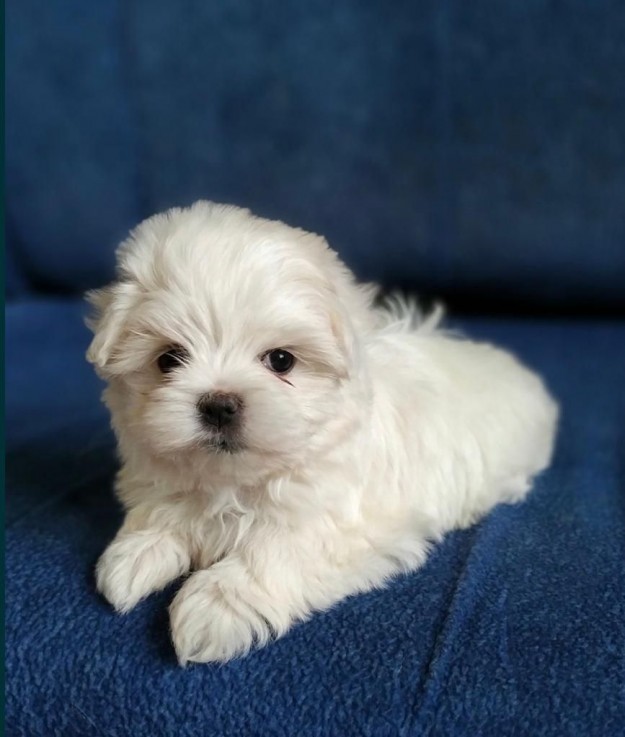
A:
{"points": [[97, 439], [15, 255], [442, 653], [51, 501], [440, 657], [90, 480]]}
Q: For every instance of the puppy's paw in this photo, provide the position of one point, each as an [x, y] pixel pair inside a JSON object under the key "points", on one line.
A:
{"points": [[138, 563], [214, 620]]}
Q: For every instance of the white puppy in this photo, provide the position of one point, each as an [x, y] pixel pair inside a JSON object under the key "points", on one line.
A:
{"points": [[283, 438]]}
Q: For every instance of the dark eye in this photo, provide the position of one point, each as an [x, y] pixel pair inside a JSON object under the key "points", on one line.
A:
{"points": [[171, 359], [279, 361]]}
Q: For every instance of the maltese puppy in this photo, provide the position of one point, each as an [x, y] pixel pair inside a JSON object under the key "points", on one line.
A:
{"points": [[284, 441]]}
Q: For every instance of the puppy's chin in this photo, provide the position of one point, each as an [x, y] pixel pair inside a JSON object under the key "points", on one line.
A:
{"points": [[210, 462], [221, 443], [211, 465]]}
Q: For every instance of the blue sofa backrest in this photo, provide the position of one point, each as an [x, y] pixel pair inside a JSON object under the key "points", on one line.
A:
{"points": [[467, 148]]}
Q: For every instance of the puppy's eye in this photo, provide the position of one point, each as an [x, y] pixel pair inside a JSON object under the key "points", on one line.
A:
{"points": [[171, 359], [279, 361]]}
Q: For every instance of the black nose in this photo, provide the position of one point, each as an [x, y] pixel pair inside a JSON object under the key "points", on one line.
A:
{"points": [[219, 409]]}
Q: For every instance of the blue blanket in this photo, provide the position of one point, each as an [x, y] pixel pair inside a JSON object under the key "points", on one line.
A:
{"points": [[513, 627]]}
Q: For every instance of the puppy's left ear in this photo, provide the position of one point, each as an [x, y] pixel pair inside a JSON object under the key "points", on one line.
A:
{"points": [[346, 340], [351, 318], [113, 305]]}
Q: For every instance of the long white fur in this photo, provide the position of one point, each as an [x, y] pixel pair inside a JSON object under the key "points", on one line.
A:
{"points": [[390, 433]]}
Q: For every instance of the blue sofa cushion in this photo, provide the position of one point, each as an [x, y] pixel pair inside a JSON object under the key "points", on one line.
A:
{"points": [[14, 278], [472, 148], [71, 140], [515, 626]]}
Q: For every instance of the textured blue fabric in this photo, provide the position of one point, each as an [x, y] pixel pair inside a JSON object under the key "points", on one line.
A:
{"points": [[515, 626], [71, 146], [474, 148], [14, 281]]}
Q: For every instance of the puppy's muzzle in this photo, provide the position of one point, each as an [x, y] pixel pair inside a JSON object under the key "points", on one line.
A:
{"points": [[220, 410]]}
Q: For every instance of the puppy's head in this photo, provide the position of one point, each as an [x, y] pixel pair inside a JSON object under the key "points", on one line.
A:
{"points": [[228, 342]]}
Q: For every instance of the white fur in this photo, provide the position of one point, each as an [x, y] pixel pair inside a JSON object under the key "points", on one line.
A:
{"points": [[390, 433]]}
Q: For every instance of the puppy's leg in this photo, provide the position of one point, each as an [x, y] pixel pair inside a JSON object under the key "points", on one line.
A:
{"points": [[256, 594], [144, 557]]}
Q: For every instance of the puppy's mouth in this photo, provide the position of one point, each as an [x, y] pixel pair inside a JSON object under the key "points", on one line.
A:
{"points": [[221, 443]]}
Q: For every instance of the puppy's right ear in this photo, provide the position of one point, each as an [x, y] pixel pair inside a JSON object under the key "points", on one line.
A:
{"points": [[112, 307]]}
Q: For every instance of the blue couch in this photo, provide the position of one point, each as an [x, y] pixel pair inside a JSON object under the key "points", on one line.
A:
{"points": [[473, 151]]}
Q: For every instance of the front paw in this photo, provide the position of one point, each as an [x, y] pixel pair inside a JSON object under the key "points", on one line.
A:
{"points": [[214, 619], [138, 563]]}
